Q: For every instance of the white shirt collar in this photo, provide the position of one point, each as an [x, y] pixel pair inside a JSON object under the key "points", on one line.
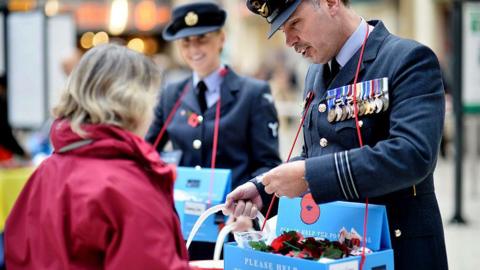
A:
{"points": [[212, 80], [353, 43]]}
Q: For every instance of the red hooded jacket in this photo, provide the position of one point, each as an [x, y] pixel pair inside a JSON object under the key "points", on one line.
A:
{"points": [[105, 202]]}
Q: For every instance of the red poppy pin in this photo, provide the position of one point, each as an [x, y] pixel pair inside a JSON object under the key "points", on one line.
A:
{"points": [[193, 120], [223, 72]]}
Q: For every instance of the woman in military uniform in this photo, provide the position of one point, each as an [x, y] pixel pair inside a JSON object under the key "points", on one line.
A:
{"points": [[247, 119]]}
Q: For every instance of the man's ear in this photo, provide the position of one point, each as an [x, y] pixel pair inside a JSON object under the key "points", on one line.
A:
{"points": [[333, 6], [222, 38], [222, 35], [331, 3]]}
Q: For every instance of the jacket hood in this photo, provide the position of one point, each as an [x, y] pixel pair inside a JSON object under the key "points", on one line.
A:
{"points": [[106, 142]]}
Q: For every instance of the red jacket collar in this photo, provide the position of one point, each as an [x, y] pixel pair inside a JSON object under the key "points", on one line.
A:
{"points": [[107, 142]]}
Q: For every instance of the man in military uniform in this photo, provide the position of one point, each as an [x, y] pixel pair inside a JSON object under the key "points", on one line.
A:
{"points": [[214, 96], [399, 105]]}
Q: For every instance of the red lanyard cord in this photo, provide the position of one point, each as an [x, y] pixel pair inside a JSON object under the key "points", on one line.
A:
{"points": [[359, 134], [223, 72], [309, 100], [170, 116], [214, 150], [355, 105]]}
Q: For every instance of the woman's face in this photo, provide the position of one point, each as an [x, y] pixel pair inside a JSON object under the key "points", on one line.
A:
{"points": [[202, 52]]}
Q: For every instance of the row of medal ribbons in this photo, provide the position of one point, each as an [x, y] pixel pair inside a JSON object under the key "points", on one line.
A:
{"points": [[372, 97]]}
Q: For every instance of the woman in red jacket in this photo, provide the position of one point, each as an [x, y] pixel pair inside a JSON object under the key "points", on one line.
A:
{"points": [[103, 200]]}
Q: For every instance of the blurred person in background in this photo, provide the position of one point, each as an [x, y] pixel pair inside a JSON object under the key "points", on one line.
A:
{"points": [[104, 199], [9, 146], [384, 148], [248, 124]]}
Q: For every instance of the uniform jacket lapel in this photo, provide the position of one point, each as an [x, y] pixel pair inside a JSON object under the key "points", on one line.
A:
{"points": [[229, 87], [190, 99], [374, 42], [319, 82]]}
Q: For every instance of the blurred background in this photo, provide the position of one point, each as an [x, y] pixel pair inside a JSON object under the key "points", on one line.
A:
{"points": [[41, 41]]}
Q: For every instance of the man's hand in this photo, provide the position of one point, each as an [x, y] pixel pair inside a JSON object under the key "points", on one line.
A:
{"points": [[243, 201], [240, 224], [286, 179]]}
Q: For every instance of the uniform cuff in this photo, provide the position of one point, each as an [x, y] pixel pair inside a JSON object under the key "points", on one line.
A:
{"points": [[330, 178], [266, 198], [297, 158]]}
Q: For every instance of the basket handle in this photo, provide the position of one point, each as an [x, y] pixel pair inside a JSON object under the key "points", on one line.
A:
{"points": [[223, 233], [220, 240]]}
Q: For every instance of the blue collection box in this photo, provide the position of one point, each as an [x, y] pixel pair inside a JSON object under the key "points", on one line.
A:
{"points": [[333, 217], [193, 189]]}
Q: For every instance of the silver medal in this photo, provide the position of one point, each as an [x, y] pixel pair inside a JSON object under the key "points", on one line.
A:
{"points": [[378, 105], [338, 113]]}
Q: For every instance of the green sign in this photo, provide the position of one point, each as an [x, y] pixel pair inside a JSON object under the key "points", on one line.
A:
{"points": [[475, 22]]}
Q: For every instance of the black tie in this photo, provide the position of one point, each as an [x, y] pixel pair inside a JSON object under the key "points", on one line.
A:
{"points": [[202, 101], [329, 73]]}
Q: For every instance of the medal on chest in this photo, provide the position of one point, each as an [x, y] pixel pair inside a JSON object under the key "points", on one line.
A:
{"points": [[372, 98]]}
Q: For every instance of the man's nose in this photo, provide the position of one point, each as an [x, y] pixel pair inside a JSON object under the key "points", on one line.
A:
{"points": [[290, 39]]}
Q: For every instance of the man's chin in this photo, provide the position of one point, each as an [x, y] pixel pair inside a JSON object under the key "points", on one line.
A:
{"points": [[307, 55], [311, 59]]}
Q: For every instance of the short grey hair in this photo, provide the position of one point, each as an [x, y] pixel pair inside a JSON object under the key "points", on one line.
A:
{"points": [[316, 4], [110, 85]]}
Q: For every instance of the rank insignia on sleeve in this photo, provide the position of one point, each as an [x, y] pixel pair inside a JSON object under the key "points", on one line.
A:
{"points": [[273, 126], [372, 98], [268, 97]]}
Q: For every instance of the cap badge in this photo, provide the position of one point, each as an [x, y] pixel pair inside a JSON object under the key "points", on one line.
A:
{"points": [[191, 18], [263, 10]]}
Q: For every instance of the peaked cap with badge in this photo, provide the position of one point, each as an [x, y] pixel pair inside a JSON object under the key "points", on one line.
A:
{"points": [[194, 19], [276, 12]]}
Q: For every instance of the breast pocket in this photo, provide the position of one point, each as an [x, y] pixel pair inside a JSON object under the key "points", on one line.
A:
{"points": [[346, 132]]}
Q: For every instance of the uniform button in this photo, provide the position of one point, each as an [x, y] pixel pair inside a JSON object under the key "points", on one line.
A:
{"points": [[360, 123], [183, 112], [322, 108], [197, 144], [323, 142], [398, 233], [200, 119]]}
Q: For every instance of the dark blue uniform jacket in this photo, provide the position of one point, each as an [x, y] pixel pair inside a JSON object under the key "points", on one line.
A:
{"points": [[400, 145], [248, 133]]}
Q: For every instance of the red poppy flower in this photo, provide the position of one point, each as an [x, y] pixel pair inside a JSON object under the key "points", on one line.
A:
{"points": [[293, 244], [277, 244], [287, 240]]}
